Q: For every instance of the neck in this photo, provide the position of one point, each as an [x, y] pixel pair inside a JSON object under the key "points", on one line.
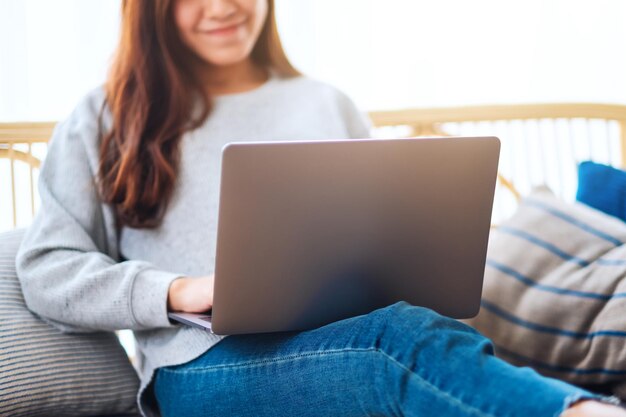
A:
{"points": [[237, 78]]}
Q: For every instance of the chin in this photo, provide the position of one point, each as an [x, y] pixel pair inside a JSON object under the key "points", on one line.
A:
{"points": [[226, 59]]}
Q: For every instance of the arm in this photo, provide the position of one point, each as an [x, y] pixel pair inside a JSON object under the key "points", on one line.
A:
{"points": [[68, 262]]}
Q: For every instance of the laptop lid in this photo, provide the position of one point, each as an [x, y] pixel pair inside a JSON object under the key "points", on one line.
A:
{"points": [[314, 232]]}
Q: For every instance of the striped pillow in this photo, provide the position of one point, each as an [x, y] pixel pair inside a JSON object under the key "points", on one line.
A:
{"points": [[554, 295], [44, 372]]}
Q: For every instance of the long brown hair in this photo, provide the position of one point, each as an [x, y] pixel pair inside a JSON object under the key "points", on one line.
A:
{"points": [[152, 93]]}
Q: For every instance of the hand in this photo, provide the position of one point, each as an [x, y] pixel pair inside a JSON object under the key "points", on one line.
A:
{"points": [[190, 294]]}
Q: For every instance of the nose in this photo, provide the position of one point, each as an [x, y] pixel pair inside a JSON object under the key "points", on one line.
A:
{"points": [[219, 9]]}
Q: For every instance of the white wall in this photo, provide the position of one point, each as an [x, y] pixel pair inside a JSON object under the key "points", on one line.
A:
{"points": [[52, 53], [399, 53], [385, 53]]}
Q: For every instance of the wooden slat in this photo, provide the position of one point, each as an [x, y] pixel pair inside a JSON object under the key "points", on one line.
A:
{"points": [[26, 132], [413, 117], [622, 142], [11, 153], [30, 179], [15, 155]]}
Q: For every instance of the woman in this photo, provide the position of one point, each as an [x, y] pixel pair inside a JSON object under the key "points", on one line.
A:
{"points": [[127, 229]]}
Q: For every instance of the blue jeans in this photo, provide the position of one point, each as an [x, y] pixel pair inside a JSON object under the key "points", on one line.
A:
{"points": [[400, 360]]}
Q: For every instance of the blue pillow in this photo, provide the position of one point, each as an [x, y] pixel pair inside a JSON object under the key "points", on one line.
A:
{"points": [[603, 188]]}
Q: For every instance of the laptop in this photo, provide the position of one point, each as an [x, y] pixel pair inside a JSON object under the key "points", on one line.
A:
{"points": [[312, 232]]}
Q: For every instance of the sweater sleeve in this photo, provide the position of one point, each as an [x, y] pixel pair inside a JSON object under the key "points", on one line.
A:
{"points": [[67, 262]]}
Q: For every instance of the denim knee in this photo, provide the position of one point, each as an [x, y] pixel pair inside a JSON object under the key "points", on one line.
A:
{"points": [[403, 314], [400, 328]]}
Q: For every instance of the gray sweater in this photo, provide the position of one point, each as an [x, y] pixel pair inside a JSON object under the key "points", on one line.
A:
{"points": [[79, 274]]}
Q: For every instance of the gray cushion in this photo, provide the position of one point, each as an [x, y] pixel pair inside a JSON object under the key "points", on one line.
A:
{"points": [[554, 294], [44, 372]]}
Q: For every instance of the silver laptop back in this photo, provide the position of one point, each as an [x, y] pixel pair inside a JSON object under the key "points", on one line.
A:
{"points": [[313, 232]]}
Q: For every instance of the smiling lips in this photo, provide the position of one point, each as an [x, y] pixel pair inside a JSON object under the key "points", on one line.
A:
{"points": [[223, 31]]}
